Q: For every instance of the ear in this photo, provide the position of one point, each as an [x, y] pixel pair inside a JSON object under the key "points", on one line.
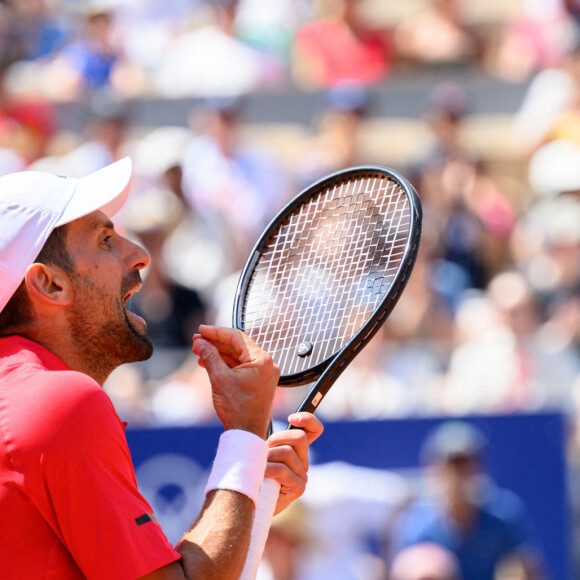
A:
{"points": [[48, 284]]}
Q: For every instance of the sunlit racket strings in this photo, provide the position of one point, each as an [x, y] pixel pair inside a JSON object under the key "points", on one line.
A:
{"points": [[326, 271]]}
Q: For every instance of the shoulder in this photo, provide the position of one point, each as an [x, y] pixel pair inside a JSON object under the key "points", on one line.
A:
{"points": [[73, 386], [504, 510], [504, 504], [63, 392], [422, 522], [79, 405], [57, 410]]}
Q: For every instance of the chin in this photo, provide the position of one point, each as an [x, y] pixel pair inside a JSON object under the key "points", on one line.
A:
{"points": [[142, 346], [133, 340]]}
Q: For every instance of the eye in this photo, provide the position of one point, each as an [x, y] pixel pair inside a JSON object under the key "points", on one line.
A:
{"points": [[106, 239]]}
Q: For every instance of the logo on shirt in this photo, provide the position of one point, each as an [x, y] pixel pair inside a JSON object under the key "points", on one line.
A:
{"points": [[145, 518]]}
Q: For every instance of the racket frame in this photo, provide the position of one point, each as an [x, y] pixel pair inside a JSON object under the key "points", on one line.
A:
{"points": [[327, 371]]}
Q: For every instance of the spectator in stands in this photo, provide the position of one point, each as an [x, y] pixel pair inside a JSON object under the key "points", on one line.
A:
{"points": [[86, 64], [270, 26], [338, 47], [30, 29], [484, 371], [230, 183], [367, 391], [146, 29], [104, 137], [10, 160], [472, 215], [514, 347], [418, 335], [27, 124], [460, 248], [539, 36], [210, 60], [546, 244], [337, 137], [550, 93], [545, 356], [478, 522], [445, 116], [436, 35]]}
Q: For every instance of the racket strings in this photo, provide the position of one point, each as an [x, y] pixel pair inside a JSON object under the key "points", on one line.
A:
{"points": [[327, 269]]}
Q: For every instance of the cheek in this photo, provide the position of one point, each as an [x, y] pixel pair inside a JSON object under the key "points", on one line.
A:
{"points": [[97, 292]]}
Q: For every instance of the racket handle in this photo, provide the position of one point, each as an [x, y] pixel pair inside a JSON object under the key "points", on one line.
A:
{"points": [[262, 519]]}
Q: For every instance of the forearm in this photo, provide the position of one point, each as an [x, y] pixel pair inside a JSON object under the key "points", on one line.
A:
{"points": [[216, 545]]}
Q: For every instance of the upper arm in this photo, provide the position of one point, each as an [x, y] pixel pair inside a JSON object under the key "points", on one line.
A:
{"points": [[92, 500]]}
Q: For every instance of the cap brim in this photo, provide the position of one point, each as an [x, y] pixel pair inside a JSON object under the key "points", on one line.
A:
{"points": [[105, 190]]}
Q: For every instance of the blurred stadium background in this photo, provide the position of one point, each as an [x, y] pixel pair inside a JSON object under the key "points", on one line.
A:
{"points": [[230, 107]]}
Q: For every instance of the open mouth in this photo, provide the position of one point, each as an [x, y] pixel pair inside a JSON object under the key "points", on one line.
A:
{"points": [[131, 293], [135, 320]]}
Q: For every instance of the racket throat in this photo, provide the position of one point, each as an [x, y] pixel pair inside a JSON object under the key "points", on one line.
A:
{"points": [[326, 380]]}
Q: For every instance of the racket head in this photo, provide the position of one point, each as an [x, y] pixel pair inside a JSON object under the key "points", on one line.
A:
{"points": [[329, 269]]}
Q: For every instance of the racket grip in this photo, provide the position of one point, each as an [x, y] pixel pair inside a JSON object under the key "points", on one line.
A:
{"points": [[269, 493]]}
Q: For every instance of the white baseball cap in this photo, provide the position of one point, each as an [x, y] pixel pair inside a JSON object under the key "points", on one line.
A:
{"points": [[33, 203]]}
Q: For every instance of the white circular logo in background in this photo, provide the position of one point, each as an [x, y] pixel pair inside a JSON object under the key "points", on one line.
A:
{"points": [[174, 486]]}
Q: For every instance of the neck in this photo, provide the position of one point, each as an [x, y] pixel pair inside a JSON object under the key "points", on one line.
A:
{"points": [[461, 512], [72, 353]]}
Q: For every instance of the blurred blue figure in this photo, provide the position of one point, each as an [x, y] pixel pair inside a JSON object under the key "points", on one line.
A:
{"points": [[481, 524], [93, 56]]}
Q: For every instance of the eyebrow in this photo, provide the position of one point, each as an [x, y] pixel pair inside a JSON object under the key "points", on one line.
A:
{"points": [[97, 223]]}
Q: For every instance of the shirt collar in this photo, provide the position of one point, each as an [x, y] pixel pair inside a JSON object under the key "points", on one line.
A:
{"points": [[15, 344]]}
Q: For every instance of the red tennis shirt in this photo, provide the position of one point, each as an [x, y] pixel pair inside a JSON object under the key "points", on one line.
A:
{"points": [[69, 504]]}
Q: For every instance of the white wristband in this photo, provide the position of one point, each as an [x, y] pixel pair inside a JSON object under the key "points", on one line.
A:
{"points": [[239, 464]]}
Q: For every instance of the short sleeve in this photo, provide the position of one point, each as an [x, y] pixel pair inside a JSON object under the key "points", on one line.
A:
{"points": [[518, 526], [92, 497]]}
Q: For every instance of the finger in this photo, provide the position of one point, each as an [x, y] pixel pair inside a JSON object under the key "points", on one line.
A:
{"points": [[231, 336], [290, 481], [309, 423], [237, 340], [296, 440], [291, 485], [223, 347], [226, 352], [230, 362], [210, 358], [286, 456]]}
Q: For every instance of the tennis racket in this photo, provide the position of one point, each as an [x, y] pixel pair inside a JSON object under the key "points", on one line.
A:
{"points": [[319, 283]]}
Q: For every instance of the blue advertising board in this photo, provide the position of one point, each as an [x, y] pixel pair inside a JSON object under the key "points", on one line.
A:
{"points": [[526, 454]]}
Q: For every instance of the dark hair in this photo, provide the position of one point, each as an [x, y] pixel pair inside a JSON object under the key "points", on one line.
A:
{"points": [[18, 313]]}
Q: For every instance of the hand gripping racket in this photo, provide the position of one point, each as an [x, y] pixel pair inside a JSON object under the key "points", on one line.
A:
{"points": [[320, 282]]}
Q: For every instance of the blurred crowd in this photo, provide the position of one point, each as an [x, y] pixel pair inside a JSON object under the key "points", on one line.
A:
{"points": [[448, 520], [490, 322], [66, 49]]}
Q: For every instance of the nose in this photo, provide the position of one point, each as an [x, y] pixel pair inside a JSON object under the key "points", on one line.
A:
{"points": [[136, 257]]}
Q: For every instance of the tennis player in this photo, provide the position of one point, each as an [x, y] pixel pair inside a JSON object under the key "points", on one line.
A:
{"points": [[69, 503]]}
